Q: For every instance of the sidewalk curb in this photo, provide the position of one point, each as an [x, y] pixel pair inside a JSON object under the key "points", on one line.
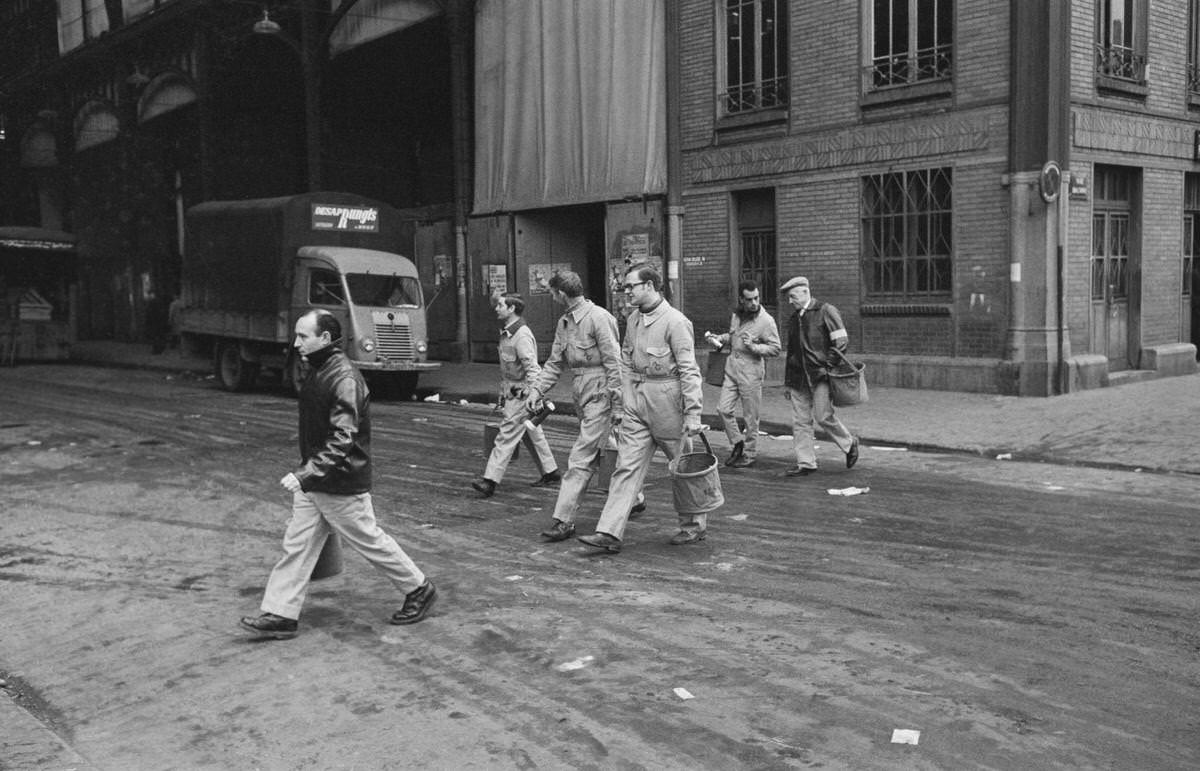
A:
{"points": [[201, 368]]}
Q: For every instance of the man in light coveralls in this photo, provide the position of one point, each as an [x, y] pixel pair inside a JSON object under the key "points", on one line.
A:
{"points": [[662, 396], [752, 337], [585, 339], [518, 370]]}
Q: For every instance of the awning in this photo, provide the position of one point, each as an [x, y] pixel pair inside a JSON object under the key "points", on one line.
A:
{"points": [[19, 237]]}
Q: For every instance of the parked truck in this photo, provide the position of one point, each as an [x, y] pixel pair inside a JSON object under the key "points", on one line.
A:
{"points": [[252, 268]]}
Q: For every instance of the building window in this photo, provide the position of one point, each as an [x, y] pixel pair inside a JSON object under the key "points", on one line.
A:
{"points": [[756, 260], [755, 55], [1193, 70], [1191, 232], [906, 231], [912, 41], [1121, 40]]}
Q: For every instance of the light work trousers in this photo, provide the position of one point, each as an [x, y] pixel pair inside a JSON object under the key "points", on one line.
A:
{"points": [[747, 394], [314, 516], [512, 430], [814, 405], [595, 423], [653, 419]]}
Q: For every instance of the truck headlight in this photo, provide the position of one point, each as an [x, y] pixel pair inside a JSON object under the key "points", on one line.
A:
{"points": [[367, 344], [422, 347]]}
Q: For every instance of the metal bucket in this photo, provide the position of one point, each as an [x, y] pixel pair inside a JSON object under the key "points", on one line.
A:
{"points": [[329, 564], [695, 483]]}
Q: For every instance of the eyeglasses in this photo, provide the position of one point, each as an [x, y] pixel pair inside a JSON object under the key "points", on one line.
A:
{"points": [[629, 287]]}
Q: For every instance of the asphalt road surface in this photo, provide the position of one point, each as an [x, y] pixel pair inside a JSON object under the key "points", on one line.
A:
{"points": [[1007, 615]]}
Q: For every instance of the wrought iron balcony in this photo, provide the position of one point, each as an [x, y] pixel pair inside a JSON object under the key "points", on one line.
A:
{"points": [[909, 68], [755, 96], [1121, 62]]}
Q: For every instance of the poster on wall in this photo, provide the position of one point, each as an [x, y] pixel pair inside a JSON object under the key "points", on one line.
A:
{"points": [[539, 278], [635, 248], [442, 269], [495, 279]]}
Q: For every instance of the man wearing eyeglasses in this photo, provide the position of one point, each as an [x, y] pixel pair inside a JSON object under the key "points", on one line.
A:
{"points": [[662, 397]]}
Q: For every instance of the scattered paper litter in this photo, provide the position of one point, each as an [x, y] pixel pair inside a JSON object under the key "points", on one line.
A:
{"points": [[33, 443], [739, 517], [684, 694], [420, 420], [462, 401], [579, 663], [1055, 487], [784, 437], [1004, 456], [433, 398], [512, 578], [905, 736], [849, 491], [888, 449]]}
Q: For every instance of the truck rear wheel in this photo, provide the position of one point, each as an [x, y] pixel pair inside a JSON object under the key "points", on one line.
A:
{"points": [[234, 372]]}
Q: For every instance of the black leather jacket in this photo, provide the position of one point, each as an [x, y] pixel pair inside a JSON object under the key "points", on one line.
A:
{"points": [[335, 426]]}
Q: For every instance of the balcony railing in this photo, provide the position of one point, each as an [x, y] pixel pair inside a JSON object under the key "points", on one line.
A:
{"points": [[909, 68], [1121, 62], [755, 96], [1193, 76]]}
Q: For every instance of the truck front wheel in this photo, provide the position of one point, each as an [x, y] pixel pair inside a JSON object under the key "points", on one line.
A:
{"points": [[234, 372]]}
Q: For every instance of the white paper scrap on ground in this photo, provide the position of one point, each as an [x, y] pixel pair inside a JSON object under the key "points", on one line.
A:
{"points": [[684, 694], [1055, 487], [849, 491], [739, 517], [1004, 456], [905, 736], [433, 398], [579, 663], [888, 449], [512, 578]]}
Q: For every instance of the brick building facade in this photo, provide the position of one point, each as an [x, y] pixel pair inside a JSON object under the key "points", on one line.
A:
{"points": [[899, 148]]}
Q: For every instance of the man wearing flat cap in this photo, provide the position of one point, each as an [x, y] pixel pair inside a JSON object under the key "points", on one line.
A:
{"points": [[815, 332]]}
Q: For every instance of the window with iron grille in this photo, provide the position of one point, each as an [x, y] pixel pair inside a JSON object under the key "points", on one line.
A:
{"points": [[1191, 231], [1121, 39], [912, 41], [755, 55], [906, 232], [756, 261]]}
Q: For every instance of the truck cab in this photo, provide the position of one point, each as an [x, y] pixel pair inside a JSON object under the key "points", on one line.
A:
{"points": [[377, 298]]}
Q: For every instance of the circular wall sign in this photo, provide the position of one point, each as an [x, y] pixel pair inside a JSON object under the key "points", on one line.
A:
{"points": [[1050, 181]]}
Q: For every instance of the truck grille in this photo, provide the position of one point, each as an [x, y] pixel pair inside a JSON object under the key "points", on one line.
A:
{"points": [[394, 341]]}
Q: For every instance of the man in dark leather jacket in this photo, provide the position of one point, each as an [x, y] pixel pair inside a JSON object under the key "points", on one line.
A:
{"points": [[815, 332], [331, 490]]}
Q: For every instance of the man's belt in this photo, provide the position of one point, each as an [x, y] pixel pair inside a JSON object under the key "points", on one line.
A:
{"points": [[641, 377], [577, 371]]}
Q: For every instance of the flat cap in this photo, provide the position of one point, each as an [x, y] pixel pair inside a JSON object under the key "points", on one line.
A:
{"points": [[791, 282]]}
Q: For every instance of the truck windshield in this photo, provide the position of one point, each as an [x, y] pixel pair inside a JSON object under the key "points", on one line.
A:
{"points": [[393, 291]]}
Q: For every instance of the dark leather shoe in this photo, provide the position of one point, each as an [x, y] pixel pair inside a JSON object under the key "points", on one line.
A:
{"points": [[485, 486], [739, 450], [852, 456], [742, 462], [637, 510], [271, 625], [799, 472], [609, 543], [560, 532], [550, 479], [416, 604], [688, 536]]}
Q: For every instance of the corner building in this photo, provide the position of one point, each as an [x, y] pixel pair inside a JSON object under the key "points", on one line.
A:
{"points": [[999, 197]]}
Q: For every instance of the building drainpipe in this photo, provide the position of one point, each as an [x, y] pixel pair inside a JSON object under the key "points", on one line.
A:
{"points": [[675, 208]]}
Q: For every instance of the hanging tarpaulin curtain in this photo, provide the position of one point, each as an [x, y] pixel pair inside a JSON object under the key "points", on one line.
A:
{"points": [[570, 102], [371, 19], [78, 21]]}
